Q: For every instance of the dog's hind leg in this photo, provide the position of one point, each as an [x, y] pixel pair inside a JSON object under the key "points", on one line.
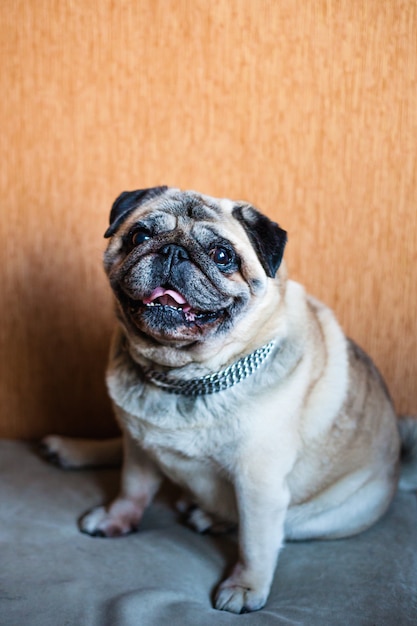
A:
{"points": [[408, 431], [336, 513], [71, 453]]}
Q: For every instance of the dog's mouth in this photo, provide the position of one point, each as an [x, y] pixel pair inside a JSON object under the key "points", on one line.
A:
{"points": [[166, 312], [171, 299]]}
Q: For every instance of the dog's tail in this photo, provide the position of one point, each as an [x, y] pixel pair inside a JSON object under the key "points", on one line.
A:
{"points": [[408, 432]]}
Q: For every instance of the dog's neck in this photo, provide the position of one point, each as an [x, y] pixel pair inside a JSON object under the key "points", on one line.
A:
{"points": [[211, 383]]}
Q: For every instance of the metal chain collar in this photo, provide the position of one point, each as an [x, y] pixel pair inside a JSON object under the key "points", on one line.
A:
{"points": [[212, 383]]}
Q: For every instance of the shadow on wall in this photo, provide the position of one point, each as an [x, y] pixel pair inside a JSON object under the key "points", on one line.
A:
{"points": [[62, 333]]}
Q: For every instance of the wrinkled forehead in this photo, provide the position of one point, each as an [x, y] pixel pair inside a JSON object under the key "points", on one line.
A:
{"points": [[183, 209], [195, 205]]}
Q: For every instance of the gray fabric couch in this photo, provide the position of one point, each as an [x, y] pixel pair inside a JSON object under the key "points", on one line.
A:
{"points": [[52, 575]]}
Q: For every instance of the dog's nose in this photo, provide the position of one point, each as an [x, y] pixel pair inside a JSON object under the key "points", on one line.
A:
{"points": [[174, 253]]}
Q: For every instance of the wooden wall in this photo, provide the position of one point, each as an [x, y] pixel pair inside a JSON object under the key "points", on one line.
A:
{"points": [[307, 109]]}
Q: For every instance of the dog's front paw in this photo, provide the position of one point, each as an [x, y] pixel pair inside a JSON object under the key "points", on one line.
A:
{"points": [[244, 591], [121, 518], [237, 599]]}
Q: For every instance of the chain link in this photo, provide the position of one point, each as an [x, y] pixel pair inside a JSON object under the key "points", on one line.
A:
{"points": [[212, 383]]}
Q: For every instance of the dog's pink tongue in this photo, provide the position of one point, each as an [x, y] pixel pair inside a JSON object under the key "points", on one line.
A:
{"points": [[164, 295]]}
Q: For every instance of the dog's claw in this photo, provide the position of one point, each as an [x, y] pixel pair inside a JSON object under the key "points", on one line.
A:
{"points": [[103, 523], [95, 533], [238, 600], [49, 455], [53, 449]]}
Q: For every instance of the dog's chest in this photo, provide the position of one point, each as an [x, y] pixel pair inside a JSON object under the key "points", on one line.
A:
{"points": [[163, 441], [168, 426], [197, 454]]}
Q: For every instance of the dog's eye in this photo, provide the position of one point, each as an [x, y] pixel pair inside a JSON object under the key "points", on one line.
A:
{"points": [[221, 256], [139, 236]]}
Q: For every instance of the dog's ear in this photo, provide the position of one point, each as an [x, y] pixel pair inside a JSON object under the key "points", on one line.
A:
{"points": [[127, 202], [267, 238]]}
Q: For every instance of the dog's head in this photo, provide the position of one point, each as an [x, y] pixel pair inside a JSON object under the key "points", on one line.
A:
{"points": [[186, 267]]}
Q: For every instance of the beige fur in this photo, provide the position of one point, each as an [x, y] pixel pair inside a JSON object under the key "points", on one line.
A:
{"points": [[307, 447]]}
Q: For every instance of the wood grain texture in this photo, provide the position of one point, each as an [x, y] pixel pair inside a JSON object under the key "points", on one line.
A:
{"points": [[307, 109]]}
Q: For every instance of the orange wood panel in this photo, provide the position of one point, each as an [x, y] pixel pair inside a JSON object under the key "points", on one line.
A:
{"points": [[307, 109]]}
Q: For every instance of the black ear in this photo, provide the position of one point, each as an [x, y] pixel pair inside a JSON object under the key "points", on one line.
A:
{"points": [[267, 238], [126, 203]]}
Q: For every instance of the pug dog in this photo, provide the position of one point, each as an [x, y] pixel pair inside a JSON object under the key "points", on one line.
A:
{"points": [[227, 378]]}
